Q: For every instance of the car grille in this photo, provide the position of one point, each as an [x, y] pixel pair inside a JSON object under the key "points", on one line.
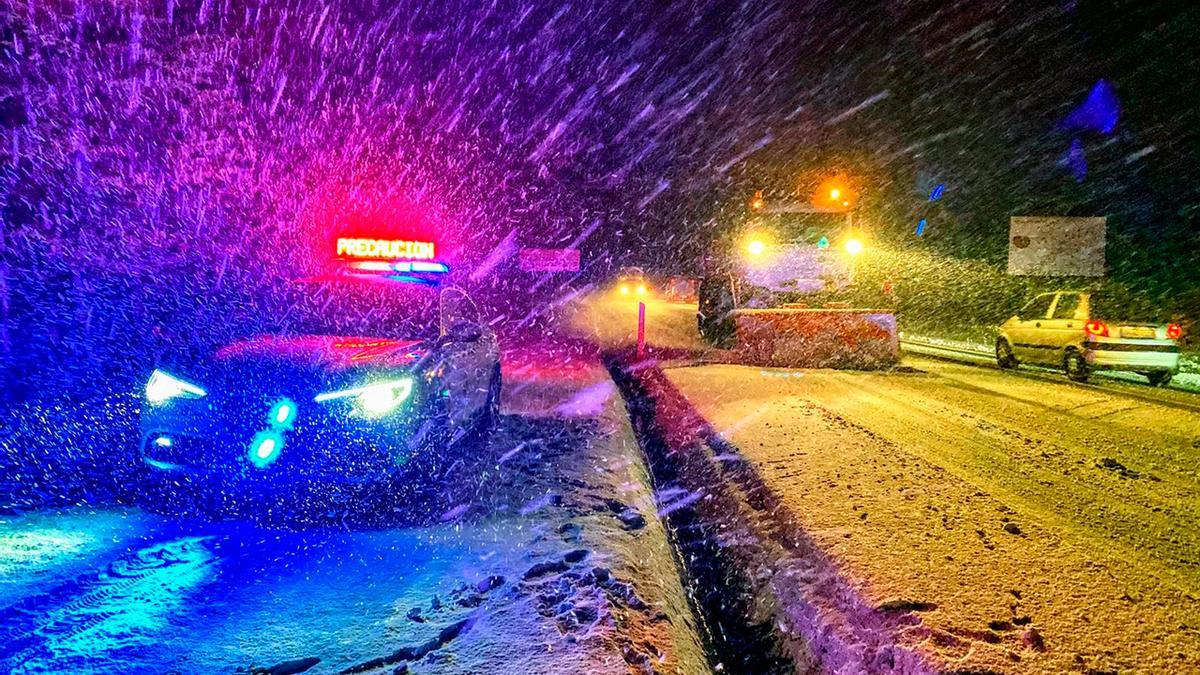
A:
{"points": [[209, 454], [321, 441]]}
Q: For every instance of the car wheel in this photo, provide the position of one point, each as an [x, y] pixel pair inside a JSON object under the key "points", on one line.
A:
{"points": [[1075, 366], [1159, 379], [1004, 355]]}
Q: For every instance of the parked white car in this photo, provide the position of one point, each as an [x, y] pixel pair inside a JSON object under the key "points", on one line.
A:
{"points": [[1084, 331]]}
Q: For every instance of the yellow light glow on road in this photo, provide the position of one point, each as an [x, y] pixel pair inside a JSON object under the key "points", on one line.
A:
{"points": [[853, 246], [756, 247]]}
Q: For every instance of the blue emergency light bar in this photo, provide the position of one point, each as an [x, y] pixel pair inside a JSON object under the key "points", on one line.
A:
{"points": [[422, 272], [402, 266], [421, 266]]}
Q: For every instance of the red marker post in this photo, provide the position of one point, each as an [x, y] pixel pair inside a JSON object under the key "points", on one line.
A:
{"points": [[641, 339]]}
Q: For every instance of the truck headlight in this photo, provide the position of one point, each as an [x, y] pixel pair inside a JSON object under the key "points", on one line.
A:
{"points": [[163, 387], [374, 400]]}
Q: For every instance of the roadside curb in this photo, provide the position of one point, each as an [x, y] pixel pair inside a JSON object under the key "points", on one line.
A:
{"points": [[598, 506], [796, 606]]}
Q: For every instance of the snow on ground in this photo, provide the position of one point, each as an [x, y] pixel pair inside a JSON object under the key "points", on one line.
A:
{"points": [[550, 561], [41, 551], [979, 521]]}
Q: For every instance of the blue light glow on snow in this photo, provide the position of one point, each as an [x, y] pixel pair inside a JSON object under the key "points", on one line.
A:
{"points": [[29, 550], [92, 622]]}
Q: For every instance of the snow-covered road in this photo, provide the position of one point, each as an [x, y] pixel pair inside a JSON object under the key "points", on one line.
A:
{"points": [[949, 517], [936, 517], [550, 561]]}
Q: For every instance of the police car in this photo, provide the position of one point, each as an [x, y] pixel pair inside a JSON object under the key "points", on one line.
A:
{"points": [[376, 377], [1085, 331]]}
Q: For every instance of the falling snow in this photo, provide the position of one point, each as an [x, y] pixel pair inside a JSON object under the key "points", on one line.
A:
{"points": [[718, 361]]}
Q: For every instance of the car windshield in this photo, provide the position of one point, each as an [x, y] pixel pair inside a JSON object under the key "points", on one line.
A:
{"points": [[348, 307]]}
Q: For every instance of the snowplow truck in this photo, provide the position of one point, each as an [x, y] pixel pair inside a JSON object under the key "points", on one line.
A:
{"points": [[775, 291]]}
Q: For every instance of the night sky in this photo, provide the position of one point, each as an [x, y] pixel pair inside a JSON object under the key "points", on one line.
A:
{"points": [[225, 140]]}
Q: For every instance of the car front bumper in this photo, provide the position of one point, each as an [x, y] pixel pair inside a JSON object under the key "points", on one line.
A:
{"points": [[213, 444]]}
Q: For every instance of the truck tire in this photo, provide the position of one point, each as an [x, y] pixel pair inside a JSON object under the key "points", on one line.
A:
{"points": [[714, 316]]}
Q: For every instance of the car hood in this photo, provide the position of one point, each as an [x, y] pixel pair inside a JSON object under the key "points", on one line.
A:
{"points": [[245, 371], [325, 354]]}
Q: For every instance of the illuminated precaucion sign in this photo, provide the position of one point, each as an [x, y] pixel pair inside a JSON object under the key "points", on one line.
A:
{"points": [[386, 249], [420, 266]]}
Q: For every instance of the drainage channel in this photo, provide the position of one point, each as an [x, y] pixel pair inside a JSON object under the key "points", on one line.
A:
{"points": [[738, 631]]}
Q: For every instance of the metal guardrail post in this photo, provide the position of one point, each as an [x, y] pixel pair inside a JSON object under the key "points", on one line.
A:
{"points": [[641, 333]]}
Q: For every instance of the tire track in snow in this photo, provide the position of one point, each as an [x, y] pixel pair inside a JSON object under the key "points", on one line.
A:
{"points": [[995, 458], [97, 617]]}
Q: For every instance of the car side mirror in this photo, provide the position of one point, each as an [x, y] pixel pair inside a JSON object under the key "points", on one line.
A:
{"points": [[464, 332]]}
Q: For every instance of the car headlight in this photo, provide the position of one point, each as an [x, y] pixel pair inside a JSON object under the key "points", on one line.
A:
{"points": [[374, 400], [163, 387]]}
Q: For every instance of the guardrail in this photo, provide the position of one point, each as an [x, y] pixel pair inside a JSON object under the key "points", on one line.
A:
{"points": [[1112, 382], [909, 344]]}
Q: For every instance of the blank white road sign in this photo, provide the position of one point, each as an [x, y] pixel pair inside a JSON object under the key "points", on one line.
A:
{"points": [[549, 260], [1056, 246]]}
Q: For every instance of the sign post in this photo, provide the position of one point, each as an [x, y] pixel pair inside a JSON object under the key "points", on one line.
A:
{"points": [[641, 334]]}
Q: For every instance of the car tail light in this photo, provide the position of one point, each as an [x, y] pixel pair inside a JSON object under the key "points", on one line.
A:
{"points": [[1174, 331], [1097, 328]]}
